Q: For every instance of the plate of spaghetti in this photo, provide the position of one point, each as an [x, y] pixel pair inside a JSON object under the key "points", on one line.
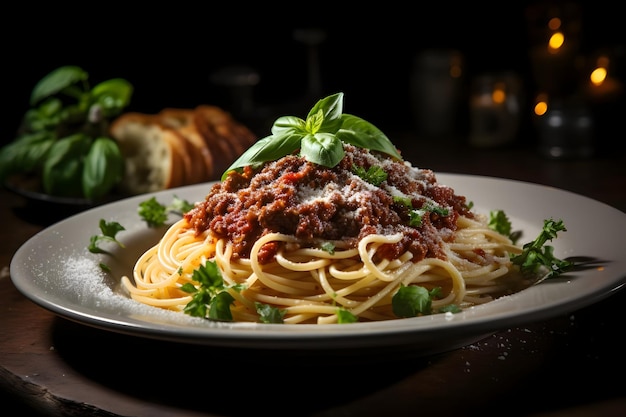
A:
{"points": [[320, 237]]}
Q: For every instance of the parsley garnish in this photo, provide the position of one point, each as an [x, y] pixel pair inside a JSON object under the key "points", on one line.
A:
{"points": [[155, 214], [328, 247], [375, 175], [344, 316], [152, 212], [210, 300], [109, 231], [499, 222], [537, 255], [416, 215], [269, 314]]}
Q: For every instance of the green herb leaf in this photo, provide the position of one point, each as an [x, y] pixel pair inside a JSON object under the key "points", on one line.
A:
{"points": [[328, 247], [326, 114], [25, 154], [112, 95], [402, 200], [411, 301], [155, 214], [415, 217], [450, 308], [210, 300], [363, 134], [58, 80], [322, 149], [104, 167], [63, 168], [219, 308], [209, 276], [499, 222], [344, 316], [152, 212], [269, 148], [269, 314], [375, 175], [109, 231], [536, 255]]}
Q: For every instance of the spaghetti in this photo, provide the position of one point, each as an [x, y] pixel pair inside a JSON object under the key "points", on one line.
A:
{"points": [[312, 241]]}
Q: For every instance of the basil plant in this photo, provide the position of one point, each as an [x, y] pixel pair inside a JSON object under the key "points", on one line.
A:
{"points": [[63, 138]]}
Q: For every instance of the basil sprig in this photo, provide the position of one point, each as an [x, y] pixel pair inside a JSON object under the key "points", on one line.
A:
{"points": [[319, 138]]}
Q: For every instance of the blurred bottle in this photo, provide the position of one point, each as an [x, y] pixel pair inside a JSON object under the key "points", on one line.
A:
{"points": [[239, 81], [495, 109], [437, 91]]}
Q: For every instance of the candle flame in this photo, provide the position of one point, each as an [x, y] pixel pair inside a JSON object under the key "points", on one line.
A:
{"points": [[541, 105], [556, 41], [599, 73], [498, 95], [598, 76]]}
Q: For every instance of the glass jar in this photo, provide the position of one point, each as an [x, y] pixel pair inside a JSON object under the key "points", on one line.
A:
{"points": [[566, 130]]}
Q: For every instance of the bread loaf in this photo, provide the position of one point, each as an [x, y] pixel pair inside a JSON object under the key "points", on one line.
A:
{"points": [[151, 152], [177, 146], [223, 134], [182, 120]]}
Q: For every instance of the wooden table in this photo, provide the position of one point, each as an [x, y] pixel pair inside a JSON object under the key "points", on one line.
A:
{"points": [[571, 365]]}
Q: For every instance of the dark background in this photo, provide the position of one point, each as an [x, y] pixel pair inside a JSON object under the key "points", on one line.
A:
{"points": [[168, 52]]}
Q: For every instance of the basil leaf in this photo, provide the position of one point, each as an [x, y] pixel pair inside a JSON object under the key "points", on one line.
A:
{"points": [[219, 308], [44, 117], [26, 154], [113, 95], [57, 81], [269, 148], [323, 149], [285, 125], [326, 114], [62, 170], [361, 133], [103, 169], [411, 301]]}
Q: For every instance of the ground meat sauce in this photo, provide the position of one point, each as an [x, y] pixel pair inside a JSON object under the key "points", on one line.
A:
{"points": [[318, 204]]}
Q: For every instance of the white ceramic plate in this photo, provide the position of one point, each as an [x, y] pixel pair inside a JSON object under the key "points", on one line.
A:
{"points": [[56, 271]]}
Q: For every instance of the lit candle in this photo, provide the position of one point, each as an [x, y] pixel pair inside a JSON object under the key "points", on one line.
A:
{"points": [[494, 110]]}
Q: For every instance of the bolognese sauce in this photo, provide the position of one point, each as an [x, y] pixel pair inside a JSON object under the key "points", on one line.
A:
{"points": [[317, 204]]}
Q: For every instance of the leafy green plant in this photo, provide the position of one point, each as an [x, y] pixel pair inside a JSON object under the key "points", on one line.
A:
{"points": [[63, 138]]}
